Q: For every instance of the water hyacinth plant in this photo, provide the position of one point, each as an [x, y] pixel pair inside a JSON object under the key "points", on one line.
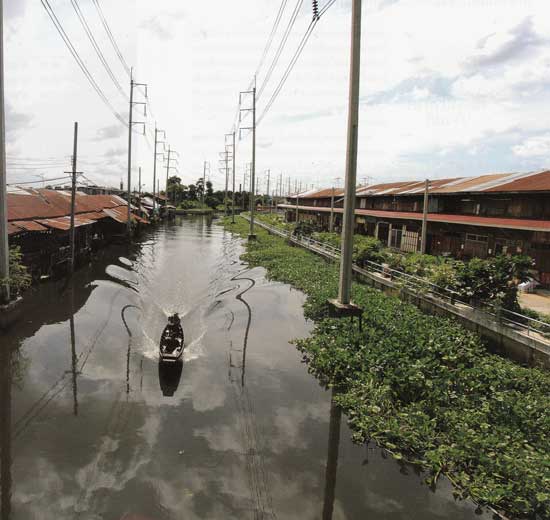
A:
{"points": [[423, 387]]}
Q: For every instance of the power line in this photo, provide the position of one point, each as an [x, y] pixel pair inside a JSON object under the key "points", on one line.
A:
{"points": [[289, 68], [284, 39], [39, 181], [95, 45], [271, 36], [294, 59], [111, 37], [78, 59]]}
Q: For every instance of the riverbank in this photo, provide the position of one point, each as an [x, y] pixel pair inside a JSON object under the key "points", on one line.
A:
{"points": [[423, 387], [194, 211]]}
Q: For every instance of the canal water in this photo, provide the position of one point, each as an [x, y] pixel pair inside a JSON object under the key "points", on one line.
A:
{"points": [[92, 429]]}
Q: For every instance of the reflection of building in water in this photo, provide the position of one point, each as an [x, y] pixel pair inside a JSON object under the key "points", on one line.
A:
{"points": [[332, 459], [5, 431]]}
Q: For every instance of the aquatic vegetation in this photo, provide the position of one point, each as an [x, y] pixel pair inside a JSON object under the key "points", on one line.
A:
{"points": [[423, 387], [481, 282]]}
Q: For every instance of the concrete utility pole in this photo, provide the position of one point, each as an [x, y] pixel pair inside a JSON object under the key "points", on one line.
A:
{"points": [[73, 197], [139, 188], [268, 178], [233, 195], [226, 158], [156, 154], [297, 211], [4, 246], [425, 218], [170, 167], [131, 123], [344, 292], [251, 234], [203, 182], [168, 172], [331, 221]]}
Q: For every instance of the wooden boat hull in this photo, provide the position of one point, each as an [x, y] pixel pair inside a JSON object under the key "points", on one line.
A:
{"points": [[172, 344]]}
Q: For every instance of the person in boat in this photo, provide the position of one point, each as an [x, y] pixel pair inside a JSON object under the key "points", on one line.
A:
{"points": [[172, 333]]}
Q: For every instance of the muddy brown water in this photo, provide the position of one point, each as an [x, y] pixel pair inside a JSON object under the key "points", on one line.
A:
{"points": [[92, 429]]}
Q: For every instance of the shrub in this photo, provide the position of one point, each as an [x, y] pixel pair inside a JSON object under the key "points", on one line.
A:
{"points": [[19, 279], [493, 280]]}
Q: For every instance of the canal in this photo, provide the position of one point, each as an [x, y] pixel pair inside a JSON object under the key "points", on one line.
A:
{"points": [[92, 429]]}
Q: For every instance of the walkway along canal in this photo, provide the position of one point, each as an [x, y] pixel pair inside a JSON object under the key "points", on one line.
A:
{"points": [[87, 433]]}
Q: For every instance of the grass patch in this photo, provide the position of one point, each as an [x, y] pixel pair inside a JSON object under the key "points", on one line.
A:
{"points": [[423, 387]]}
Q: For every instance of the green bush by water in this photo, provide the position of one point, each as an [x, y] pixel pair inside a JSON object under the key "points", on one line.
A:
{"points": [[423, 387]]}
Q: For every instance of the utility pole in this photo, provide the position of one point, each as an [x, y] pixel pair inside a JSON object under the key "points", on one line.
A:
{"points": [[203, 182], [169, 167], [156, 154], [4, 246], [168, 172], [226, 159], [139, 186], [131, 124], [343, 304], [251, 234], [331, 222], [425, 218], [268, 176], [73, 198], [297, 211], [233, 194]]}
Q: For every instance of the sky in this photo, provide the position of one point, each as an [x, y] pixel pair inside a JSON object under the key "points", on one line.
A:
{"points": [[448, 88]]}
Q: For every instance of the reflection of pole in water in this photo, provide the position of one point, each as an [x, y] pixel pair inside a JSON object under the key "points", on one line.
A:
{"points": [[332, 458], [5, 431], [74, 370], [128, 352]]}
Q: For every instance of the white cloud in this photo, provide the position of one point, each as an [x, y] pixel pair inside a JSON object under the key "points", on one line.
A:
{"points": [[538, 146], [446, 75]]}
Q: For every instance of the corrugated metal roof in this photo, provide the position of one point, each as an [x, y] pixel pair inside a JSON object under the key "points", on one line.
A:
{"points": [[31, 204], [495, 182], [317, 193], [29, 225], [64, 223], [13, 229]]}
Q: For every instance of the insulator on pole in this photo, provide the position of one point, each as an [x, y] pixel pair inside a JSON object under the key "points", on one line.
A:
{"points": [[315, 9]]}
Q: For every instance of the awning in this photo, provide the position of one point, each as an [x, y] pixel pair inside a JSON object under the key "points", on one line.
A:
{"points": [[468, 220]]}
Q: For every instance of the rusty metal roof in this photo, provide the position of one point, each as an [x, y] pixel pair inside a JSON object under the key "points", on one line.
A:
{"points": [[30, 204], [317, 193], [64, 223], [538, 181], [13, 229], [29, 225]]}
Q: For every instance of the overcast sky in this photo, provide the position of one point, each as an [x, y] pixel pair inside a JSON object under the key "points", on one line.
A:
{"points": [[448, 87]]}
